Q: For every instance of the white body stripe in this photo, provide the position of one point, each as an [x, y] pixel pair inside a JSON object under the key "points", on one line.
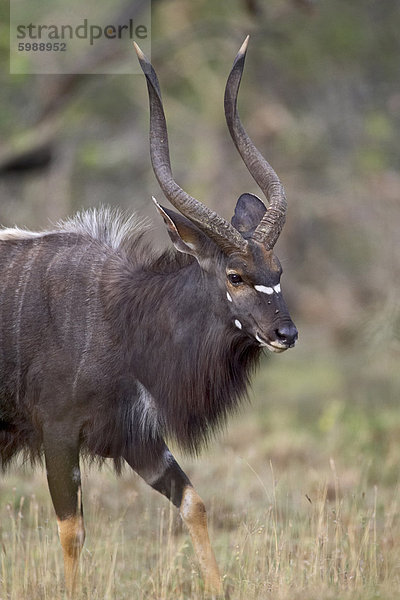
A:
{"points": [[90, 320], [19, 302]]}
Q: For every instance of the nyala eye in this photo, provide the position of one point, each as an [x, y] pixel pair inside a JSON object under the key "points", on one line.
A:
{"points": [[235, 278]]}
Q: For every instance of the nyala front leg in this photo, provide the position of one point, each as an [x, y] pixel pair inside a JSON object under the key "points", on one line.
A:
{"points": [[166, 476]]}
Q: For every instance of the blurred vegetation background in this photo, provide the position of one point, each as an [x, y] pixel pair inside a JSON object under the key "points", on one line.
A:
{"points": [[321, 99]]}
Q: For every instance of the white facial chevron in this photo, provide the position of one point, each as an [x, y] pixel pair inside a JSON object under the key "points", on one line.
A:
{"points": [[264, 289]]}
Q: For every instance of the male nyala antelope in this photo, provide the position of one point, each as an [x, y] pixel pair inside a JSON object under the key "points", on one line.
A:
{"points": [[107, 349]]}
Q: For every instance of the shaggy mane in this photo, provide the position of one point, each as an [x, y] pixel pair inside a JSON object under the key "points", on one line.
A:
{"points": [[109, 226]]}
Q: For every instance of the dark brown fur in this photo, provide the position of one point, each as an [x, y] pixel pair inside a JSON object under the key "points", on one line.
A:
{"points": [[84, 319]]}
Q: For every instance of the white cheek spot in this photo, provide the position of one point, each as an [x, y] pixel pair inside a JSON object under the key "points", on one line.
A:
{"points": [[238, 324], [264, 289], [229, 296], [277, 288]]}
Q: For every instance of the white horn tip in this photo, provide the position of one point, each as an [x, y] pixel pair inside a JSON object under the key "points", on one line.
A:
{"points": [[243, 47], [139, 52]]}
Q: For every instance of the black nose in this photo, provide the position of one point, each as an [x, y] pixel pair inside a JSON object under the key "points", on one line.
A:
{"points": [[287, 334]]}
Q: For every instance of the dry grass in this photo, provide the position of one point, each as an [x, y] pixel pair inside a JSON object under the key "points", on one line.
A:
{"points": [[286, 545], [302, 496]]}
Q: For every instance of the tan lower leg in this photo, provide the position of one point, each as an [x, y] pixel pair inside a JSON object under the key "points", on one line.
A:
{"points": [[72, 536], [194, 515]]}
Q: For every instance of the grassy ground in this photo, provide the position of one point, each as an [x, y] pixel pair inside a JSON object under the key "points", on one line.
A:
{"points": [[302, 494]]}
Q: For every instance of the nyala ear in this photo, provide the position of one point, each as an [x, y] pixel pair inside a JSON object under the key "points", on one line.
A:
{"points": [[185, 236], [248, 213]]}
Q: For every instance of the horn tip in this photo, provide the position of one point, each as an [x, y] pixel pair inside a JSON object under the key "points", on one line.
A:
{"points": [[139, 52], [243, 47], [241, 55], [144, 62]]}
